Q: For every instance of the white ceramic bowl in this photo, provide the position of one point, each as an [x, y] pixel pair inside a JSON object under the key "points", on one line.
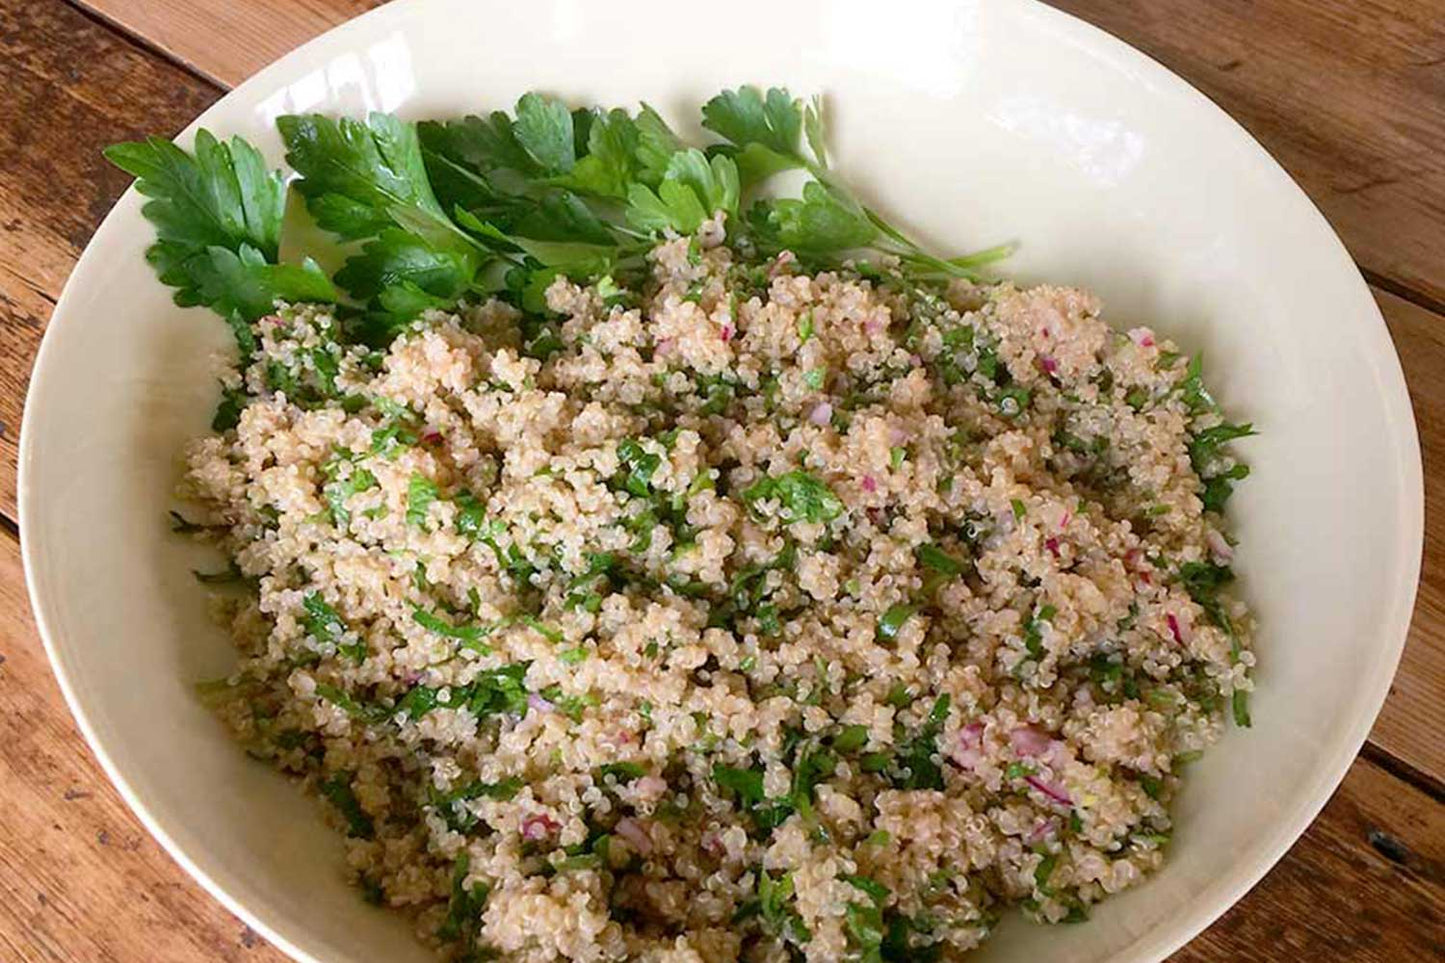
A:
{"points": [[973, 123]]}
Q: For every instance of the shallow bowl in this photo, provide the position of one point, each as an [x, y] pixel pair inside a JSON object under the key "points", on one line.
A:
{"points": [[971, 123]]}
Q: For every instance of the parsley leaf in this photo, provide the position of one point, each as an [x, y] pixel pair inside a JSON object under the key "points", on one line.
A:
{"points": [[1205, 455], [891, 621], [640, 465], [744, 116], [241, 284], [217, 214], [544, 130], [222, 196], [692, 190], [469, 634], [1203, 581], [936, 559], [420, 493], [611, 162], [484, 143], [443, 270], [464, 909], [824, 221], [356, 177], [763, 130], [803, 496], [337, 492], [322, 622], [656, 143]]}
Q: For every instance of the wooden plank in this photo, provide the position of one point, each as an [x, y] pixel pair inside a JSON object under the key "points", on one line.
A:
{"points": [[1411, 724], [71, 87], [1366, 883], [95, 88], [71, 855], [23, 311], [1349, 97], [81, 880], [223, 40]]}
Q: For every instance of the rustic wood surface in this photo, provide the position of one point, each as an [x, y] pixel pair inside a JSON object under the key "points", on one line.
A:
{"points": [[1350, 97]]}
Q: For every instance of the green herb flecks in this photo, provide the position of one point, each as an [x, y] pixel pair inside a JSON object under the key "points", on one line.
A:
{"points": [[800, 495], [464, 909], [337, 791], [1204, 581], [421, 492]]}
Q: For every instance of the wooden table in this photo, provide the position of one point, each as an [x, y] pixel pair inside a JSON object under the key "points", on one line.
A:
{"points": [[1349, 96]]}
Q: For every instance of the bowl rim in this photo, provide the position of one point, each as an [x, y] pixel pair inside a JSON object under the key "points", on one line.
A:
{"points": [[1157, 944]]}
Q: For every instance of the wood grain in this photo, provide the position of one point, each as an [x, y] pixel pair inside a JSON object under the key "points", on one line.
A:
{"points": [[224, 40], [1349, 97], [1365, 883], [95, 88], [1412, 724], [80, 879], [70, 87]]}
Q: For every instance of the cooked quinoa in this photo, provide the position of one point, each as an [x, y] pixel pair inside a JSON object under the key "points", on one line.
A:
{"points": [[756, 614]]}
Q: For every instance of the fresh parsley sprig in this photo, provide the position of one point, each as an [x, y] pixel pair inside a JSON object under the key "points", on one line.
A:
{"points": [[765, 135], [217, 213], [498, 204]]}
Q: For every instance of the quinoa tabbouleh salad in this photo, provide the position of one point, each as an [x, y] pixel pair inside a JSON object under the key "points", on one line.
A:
{"points": [[640, 568]]}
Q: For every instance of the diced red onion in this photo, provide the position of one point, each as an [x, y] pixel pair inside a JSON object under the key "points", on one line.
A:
{"points": [[872, 326], [1052, 544], [538, 827], [538, 703], [896, 435], [1219, 546], [272, 319], [1048, 365], [727, 333], [915, 360], [1174, 629], [1052, 790], [650, 786], [1028, 741], [633, 831], [869, 485], [431, 438], [1064, 522], [821, 414], [1143, 337], [663, 346], [969, 751], [1041, 831]]}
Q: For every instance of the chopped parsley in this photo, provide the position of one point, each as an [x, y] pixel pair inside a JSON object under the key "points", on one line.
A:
{"points": [[802, 496]]}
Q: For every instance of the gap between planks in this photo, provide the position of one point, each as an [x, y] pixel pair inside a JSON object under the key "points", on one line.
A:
{"points": [[1411, 712], [71, 854]]}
